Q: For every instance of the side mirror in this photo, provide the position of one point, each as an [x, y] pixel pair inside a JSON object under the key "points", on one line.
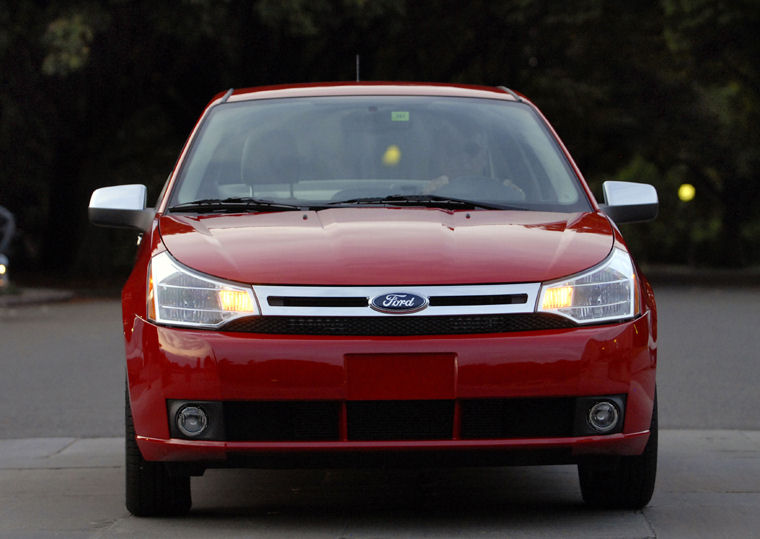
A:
{"points": [[121, 206], [629, 202]]}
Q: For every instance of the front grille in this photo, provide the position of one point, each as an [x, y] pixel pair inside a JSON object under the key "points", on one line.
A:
{"points": [[503, 299], [397, 325], [400, 420], [294, 301], [435, 301]]}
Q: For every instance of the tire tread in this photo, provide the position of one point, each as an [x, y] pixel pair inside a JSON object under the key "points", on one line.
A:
{"points": [[628, 482], [151, 490]]}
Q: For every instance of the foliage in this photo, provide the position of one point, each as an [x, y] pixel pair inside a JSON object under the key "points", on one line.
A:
{"points": [[98, 93], [67, 41]]}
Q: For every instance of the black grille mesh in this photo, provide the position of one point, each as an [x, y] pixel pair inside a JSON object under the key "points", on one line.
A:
{"points": [[400, 420], [397, 325], [282, 421], [517, 418], [404, 419]]}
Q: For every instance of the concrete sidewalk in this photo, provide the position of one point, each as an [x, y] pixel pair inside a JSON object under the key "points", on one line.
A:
{"points": [[708, 486]]}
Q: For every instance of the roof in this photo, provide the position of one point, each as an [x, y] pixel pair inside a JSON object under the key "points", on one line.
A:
{"points": [[368, 88]]}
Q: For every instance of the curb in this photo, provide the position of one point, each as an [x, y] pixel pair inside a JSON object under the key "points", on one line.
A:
{"points": [[35, 296], [689, 276]]}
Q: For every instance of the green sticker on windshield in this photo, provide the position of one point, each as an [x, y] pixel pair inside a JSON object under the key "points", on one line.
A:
{"points": [[400, 116]]}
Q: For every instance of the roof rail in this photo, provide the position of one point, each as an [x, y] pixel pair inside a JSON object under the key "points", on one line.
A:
{"points": [[512, 93], [227, 95]]}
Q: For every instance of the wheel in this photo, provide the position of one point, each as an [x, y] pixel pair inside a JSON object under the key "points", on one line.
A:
{"points": [[623, 482], [151, 489]]}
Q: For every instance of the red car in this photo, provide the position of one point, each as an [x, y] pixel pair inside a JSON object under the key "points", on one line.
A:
{"points": [[383, 274]]}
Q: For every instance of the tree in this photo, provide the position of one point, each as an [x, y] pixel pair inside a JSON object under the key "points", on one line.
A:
{"points": [[101, 93]]}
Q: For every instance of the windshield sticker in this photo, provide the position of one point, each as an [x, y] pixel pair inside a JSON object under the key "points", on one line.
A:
{"points": [[400, 116]]}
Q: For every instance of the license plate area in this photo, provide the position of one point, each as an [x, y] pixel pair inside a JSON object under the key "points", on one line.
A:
{"points": [[380, 377]]}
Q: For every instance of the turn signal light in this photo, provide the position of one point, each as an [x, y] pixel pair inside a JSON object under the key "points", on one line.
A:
{"points": [[558, 298], [236, 301]]}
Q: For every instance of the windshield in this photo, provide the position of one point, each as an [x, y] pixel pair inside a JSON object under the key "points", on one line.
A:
{"points": [[333, 150]]}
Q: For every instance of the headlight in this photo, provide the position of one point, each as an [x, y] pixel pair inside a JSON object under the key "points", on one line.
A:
{"points": [[604, 293], [181, 297]]}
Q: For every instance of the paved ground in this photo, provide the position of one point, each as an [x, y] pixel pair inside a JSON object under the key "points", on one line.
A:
{"points": [[708, 487]]}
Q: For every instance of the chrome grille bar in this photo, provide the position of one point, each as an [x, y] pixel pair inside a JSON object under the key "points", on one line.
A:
{"points": [[354, 300]]}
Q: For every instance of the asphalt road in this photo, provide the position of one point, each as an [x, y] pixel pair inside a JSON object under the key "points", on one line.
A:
{"points": [[61, 454]]}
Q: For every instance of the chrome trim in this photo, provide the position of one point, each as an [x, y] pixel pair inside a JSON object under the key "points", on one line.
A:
{"points": [[121, 206], [629, 202], [263, 292], [120, 197]]}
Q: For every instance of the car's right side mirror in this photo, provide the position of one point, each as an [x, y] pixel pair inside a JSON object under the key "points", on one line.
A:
{"points": [[629, 202]]}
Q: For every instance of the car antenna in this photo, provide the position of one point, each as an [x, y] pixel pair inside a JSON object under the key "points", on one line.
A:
{"points": [[357, 67]]}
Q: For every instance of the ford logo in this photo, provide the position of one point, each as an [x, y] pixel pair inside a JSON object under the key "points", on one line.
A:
{"points": [[398, 303]]}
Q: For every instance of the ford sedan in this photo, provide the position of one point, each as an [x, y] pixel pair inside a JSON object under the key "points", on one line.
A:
{"points": [[377, 274]]}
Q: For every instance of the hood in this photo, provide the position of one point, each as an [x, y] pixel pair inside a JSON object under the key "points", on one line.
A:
{"points": [[388, 246]]}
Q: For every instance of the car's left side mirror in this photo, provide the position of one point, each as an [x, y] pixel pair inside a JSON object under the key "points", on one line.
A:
{"points": [[121, 206], [629, 202]]}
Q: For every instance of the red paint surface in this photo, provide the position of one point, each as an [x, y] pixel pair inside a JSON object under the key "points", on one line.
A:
{"points": [[389, 246], [210, 365], [400, 376]]}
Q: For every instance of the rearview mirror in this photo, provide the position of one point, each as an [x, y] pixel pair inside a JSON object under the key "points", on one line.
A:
{"points": [[629, 202], [121, 206]]}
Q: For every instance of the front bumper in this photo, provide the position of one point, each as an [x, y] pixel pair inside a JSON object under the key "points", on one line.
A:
{"points": [[542, 366]]}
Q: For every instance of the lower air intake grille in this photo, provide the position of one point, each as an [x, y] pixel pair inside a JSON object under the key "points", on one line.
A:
{"points": [[400, 420], [296, 421], [397, 325], [517, 418], [480, 419]]}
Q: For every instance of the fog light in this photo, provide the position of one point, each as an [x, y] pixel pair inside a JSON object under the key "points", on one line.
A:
{"points": [[603, 416], [192, 421]]}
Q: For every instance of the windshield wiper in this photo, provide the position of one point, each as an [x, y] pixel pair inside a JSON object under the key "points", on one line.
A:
{"points": [[235, 205], [432, 201]]}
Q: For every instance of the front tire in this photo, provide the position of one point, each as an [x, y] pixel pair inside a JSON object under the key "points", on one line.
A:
{"points": [[625, 482], [151, 489]]}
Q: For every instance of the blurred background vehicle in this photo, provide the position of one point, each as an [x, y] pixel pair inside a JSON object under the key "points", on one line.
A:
{"points": [[7, 228]]}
